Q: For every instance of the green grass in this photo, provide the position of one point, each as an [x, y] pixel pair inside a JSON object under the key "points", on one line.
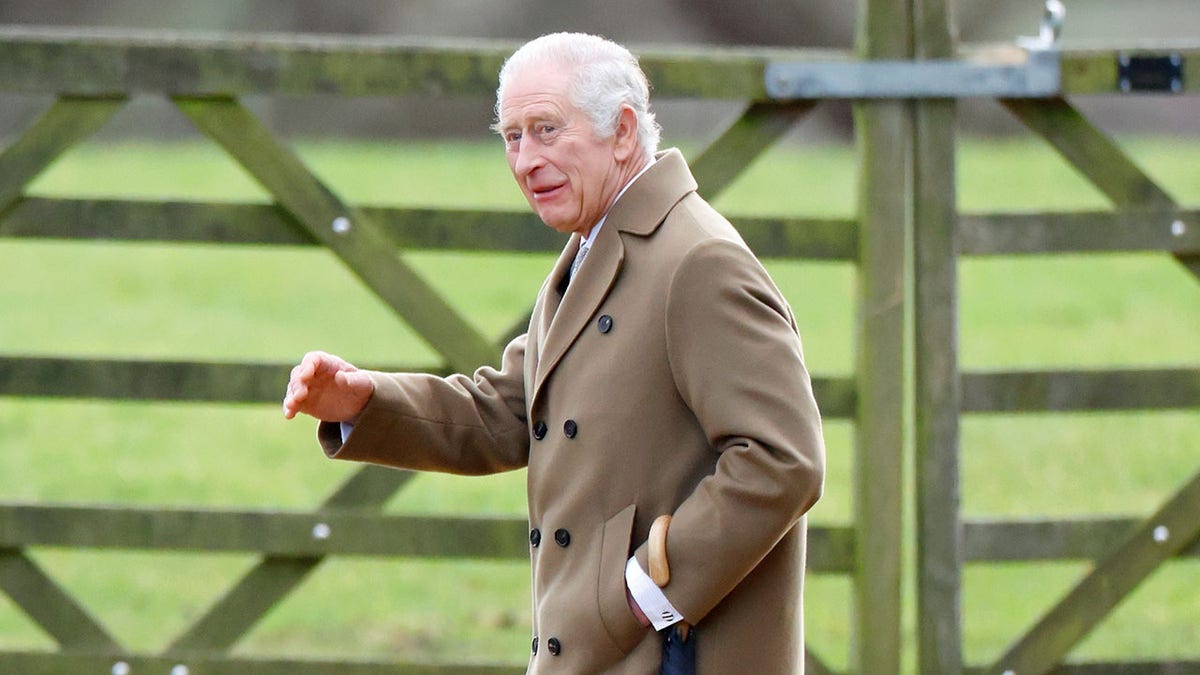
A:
{"points": [[160, 301]]}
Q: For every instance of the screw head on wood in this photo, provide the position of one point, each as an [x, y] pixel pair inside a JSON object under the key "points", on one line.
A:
{"points": [[1178, 228], [120, 668], [341, 225], [1161, 534], [321, 531]]}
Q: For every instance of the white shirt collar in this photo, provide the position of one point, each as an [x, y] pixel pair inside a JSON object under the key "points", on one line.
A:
{"points": [[587, 241]]}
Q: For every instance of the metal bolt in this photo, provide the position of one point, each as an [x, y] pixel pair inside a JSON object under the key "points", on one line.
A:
{"points": [[179, 670], [1010, 672], [321, 531], [120, 668], [1178, 228], [341, 225], [1161, 533]]}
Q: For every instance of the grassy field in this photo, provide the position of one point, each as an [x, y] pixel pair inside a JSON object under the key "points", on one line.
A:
{"points": [[155, 301]]}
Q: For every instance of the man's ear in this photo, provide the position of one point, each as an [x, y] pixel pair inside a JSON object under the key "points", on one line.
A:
{"points": [[625, 138]]}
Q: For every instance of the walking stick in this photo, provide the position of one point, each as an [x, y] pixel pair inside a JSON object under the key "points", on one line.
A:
{"points": [[679, 645]]}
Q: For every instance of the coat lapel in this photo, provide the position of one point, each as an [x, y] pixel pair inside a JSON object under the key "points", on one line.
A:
{"points": [[639, 211], [585, 293]]}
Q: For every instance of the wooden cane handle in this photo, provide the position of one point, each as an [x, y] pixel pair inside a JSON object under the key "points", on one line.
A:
{"points": [[660, 569]]}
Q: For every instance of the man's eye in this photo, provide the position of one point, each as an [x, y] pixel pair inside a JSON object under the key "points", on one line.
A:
{"points": [[546, 129], [512, 137]]}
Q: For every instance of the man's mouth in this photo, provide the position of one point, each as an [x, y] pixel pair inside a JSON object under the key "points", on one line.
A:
{"points": [[544, 192]]}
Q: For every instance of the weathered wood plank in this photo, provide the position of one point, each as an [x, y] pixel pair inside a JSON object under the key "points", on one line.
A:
{"points": [[936, 381], [49, 605], [1125, 230], [743, 141], [61, 377], [208, 663], [1036, 539], [1163, 667], [98, 63], [1081, 390], [274, 533], [351, 235], [335, 529], [883, 139], [94, 62], [142, 380], [1157, 539], [68, 121], [435, 229], [1095, 71]]}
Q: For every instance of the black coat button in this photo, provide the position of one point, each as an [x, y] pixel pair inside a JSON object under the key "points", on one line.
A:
{"points": [[605, 323], [539, 430], [570, 428], [554, 646], [535, 537], [535, 644], [562, 538]]}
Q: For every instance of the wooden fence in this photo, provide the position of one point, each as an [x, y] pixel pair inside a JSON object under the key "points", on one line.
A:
{"points": [[907, 198]]}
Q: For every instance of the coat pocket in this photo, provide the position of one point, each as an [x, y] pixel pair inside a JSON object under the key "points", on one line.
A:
{"points": [[619, 622]]}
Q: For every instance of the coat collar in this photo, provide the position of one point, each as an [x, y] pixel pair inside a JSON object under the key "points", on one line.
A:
{"points": [[639, 212]]}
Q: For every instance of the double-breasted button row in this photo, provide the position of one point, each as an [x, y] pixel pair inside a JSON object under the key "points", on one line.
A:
{"points": [[570, 429], [562, 537], [552, 645]]}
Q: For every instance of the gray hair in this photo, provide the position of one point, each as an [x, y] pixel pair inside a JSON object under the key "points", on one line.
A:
{"points": [[604, 77]]}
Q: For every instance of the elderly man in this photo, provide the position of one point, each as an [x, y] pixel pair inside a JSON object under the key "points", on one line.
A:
{"points": [[661, 374]]}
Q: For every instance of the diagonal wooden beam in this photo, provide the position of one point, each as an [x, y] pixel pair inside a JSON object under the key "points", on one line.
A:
{"points": [[1094, 154], [49, 605], [67, 122], [346, 231], [1159, 538], [273, 578], [755, 130]]}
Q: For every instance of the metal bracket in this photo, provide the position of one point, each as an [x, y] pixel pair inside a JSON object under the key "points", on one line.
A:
{"points": [[1150, 73], [1035, 72]]}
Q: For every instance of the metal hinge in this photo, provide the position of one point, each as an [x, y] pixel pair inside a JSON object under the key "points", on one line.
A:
{"points": [[1032, 69]]}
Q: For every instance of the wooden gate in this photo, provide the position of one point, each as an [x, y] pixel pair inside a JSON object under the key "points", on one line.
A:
{"points": [[906, 199]]}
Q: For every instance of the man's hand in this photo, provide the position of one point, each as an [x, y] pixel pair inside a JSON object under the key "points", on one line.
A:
{"points": [[328, 388]]}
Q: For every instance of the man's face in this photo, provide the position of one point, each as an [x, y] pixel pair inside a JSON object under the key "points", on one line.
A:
{"points": [[569, 177]]}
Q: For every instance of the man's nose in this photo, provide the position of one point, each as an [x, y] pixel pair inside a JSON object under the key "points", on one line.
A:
{"points": [[529, 157]]}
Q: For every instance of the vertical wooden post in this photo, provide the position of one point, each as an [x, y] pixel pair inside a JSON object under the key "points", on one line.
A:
{"points": [[882, 133], [935, 360]]}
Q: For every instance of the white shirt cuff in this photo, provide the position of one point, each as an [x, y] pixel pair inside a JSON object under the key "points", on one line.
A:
{"points": [[347, 428], [650, 597]]}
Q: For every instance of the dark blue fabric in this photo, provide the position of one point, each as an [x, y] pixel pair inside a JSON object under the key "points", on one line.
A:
{"points": [[679, 657]]}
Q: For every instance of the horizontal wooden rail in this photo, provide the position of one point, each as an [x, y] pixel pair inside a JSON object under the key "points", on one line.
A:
{"points": [[437, 229], [275, 533], [1033, 540], [316, 533], [227, 382], [148, 380], [108, 62], [1037, 391], [217, 663], [1126, 230], [1164, 667]]}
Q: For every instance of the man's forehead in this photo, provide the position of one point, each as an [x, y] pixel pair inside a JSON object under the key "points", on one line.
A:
{"points": [[537, 88]]}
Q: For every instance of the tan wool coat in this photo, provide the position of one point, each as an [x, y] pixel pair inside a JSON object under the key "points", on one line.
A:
{"points": [[667, 378]]}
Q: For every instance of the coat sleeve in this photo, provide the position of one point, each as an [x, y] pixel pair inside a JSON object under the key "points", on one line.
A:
{"points": [[736, 358], [457, 424]]}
